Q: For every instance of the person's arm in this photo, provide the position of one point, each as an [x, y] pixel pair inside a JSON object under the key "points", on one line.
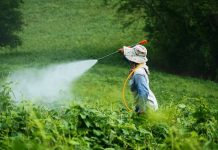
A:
{"points": [[121, 50]]}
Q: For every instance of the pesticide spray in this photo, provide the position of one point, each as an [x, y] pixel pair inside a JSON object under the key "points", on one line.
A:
{"points": [[48, 84], [51, 83]]}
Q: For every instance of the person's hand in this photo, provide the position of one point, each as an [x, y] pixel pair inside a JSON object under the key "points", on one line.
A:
{"points": [[121, 50]]}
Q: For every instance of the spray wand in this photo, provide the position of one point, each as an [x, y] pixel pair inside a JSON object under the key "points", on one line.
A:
{"points": [[107, 55], [141, 42]]}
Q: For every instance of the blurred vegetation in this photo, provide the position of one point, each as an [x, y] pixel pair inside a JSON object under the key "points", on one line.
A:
{"points": [[178, 126], [11, 22], [183, 33], [57, 31]]}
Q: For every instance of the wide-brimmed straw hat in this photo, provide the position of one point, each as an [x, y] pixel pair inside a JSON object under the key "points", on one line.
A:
{"points": [[136, 54]]}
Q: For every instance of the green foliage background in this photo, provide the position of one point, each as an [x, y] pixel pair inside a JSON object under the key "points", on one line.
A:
{"points": [[10, 22], [183, 33]]}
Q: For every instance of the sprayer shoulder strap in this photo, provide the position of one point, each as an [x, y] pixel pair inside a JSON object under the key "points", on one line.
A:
{"points": [[146, 71]]}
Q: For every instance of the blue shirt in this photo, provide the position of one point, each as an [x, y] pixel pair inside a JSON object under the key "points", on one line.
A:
{"points": [[140, 86]]}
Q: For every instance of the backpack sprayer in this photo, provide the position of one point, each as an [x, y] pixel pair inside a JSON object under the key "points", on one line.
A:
{"points": [[141, 42]]}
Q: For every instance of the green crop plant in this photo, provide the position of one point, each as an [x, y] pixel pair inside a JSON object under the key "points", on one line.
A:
{"points": [[27, 126]]}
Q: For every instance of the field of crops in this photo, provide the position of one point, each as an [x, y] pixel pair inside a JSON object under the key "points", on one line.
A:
{"points": [[95, 117]]}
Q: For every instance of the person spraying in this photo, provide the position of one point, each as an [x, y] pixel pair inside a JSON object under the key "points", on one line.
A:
{"points": [[139, 81]]}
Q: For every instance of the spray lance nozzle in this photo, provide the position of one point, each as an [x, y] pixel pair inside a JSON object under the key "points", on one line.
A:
{"points": [[141, 43]]}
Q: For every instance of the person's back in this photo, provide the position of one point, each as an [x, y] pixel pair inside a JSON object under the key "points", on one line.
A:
{"points": [[140, 87]]}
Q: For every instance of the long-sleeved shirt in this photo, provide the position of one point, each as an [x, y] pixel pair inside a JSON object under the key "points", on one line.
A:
{"points": [[139, 84]]}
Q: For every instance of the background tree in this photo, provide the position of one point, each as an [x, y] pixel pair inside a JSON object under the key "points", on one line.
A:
{"points": [[183, 34], [10, 22]]}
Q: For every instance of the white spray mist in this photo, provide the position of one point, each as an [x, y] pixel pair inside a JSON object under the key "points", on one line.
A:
{"points": [[48, 84]]}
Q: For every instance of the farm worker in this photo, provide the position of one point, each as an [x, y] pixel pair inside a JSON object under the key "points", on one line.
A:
{"points": [[139, 81]]}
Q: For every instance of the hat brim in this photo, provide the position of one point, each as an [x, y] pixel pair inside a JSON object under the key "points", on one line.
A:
{"points": [[130, 54]]}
